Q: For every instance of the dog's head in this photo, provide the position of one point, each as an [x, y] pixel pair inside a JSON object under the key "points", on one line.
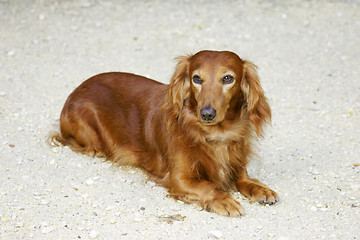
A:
{"points": [[217, 86]]}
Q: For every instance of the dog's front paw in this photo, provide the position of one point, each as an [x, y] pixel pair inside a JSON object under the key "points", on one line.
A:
{"points": [[264, 195], [225, 205], [257, 192]]}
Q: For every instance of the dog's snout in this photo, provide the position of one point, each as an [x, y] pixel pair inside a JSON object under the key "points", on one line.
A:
{"points": [[207, 113]]}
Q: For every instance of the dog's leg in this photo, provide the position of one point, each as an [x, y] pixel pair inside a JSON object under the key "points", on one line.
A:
{"points": [[206, 193], [254, 190]]}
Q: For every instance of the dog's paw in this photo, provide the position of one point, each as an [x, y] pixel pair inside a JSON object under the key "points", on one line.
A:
{"points": [[264, 195], [256, 192], [225, 205]]}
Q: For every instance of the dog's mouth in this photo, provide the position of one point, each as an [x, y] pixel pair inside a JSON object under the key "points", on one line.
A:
{"points": [[207, 123], [212, 122]]}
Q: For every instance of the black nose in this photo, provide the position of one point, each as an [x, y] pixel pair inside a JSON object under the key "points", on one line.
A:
{"points": [[207, 113]]}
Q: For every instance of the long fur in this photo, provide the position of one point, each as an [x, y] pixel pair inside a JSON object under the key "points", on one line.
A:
{"points": [[132, 120]]}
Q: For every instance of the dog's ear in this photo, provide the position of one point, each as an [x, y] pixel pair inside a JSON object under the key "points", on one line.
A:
{"points": [[257, 106], [179, 87]]}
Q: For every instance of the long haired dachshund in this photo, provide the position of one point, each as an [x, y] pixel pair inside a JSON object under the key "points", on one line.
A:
{"points": [[192, 136]]}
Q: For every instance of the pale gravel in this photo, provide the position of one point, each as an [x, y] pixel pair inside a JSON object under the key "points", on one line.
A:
{"points": [[308, 54]]}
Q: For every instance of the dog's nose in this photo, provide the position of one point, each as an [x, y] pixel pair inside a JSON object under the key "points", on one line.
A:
{"points": [[207, 113]]}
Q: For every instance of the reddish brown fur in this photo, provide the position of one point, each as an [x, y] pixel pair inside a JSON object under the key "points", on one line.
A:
{"points": [[136, 121]]}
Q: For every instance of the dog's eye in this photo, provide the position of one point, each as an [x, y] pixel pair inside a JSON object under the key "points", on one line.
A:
{"points": [[197, 79], [227, 79]]}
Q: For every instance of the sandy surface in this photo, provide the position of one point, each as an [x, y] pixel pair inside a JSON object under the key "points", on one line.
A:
{"points": [[308, 53]]}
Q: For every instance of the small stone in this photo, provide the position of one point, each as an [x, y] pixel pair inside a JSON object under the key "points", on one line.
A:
{"points": [[46, 230], [354, 205], [315, 172], [11, 53], [74, 186], [89, 181], [108, 208], [313, 209], [138, 219], [350, 111], [20, 129], [19, 224], [19, 161], [31, 228], [54, 150], [2, 94], [93, 234], [41, 17], [44, 224], [344, 58], [216, 233], [85, 196], [129, 181]]}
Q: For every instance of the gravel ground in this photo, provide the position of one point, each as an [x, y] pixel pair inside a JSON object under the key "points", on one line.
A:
{"points": [[308, 54]]}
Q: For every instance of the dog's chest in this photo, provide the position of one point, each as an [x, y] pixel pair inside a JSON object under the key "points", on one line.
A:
{"points": [[221, 175]]}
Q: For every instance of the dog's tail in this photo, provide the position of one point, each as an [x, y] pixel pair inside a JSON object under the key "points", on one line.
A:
{"points": [[56, 139]]}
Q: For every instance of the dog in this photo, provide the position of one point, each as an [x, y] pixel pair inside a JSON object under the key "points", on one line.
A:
{"points": [[193, 136]]}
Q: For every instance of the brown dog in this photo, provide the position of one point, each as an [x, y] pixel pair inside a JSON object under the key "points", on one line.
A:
{"points": [[192, 136]]}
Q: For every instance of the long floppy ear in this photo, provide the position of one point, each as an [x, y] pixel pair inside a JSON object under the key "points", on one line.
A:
{"points": [[179, 87], [257, 106]]}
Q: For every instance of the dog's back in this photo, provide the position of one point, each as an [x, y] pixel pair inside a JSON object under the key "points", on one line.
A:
{"points": [[107, 112]]}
